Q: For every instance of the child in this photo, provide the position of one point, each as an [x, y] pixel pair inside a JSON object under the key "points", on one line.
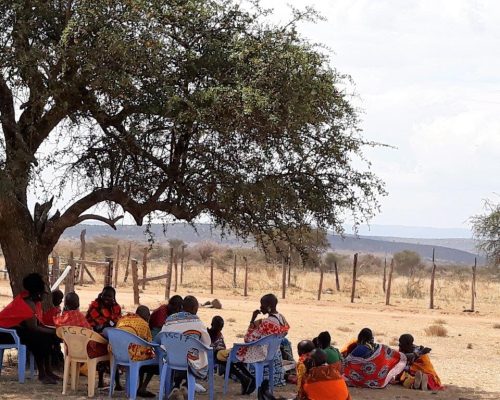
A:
{"points": [[419, 372], [48, 316], [304, 349], [332, 354], [221, 354]]}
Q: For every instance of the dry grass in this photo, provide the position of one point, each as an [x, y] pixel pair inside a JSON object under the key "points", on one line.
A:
{"points": [[440, 321], [231, 320], [436, 330]]}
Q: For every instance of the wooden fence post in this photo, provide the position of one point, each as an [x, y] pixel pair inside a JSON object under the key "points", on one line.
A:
{"points": [[182, 263], [117, 264], [337, 283], [234, 270], [433, 276], [55, 270], [245, 290], [169, 274], [144, 267], [320, 290], [82, 255], [283, 278], [289, 261], [135, 281], [474, 268], [354, 271], [385, 274], [108, 277], [128, 262], [389, 282], [69, 284], [211, 275], [176, 273]]}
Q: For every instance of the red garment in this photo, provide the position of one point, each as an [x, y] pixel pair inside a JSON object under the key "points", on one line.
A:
{"points": [[98, 314], [71, 318], [48, 316], [18, 311], [158, 317]]}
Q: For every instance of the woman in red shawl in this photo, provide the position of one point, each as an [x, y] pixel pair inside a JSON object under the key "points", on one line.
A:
{"points": [[104, 312], [24, 314]]}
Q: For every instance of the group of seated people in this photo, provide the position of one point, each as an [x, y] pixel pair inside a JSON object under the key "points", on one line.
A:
{"points": [[322, 372]]}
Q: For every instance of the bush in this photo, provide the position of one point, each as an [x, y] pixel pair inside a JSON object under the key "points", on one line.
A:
{"points": [[436, 330], [406, 262]]}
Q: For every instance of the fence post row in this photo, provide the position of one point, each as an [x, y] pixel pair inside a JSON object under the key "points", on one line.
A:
{"points": [[388, 291], [211, 275], [320, 283], [108, 277], [433, 276], [182, 263], [144, 267], [474, 268], [169, 274], [176, 271], [245, 290], [135, 281], [234, 271], [337, 282], [117, 265], [82, 255], [283, 278], [128, 262], [354, 272], [385, 274], [69, 284]]}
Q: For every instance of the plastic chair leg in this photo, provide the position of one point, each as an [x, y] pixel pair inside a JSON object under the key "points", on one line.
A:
{"points": [[112, 370], [191, 386], [67, 367], [21, 363], [163, 373], [133, 381], [1, 360], [91, 373], [259, 375], [168, 380], [211, 381], [226, 375], [74, 371]]}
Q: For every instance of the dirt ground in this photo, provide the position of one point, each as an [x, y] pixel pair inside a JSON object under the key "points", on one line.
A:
{"points": [[467, 359]]}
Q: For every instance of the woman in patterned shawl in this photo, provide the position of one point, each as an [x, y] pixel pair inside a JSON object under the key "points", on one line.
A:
{"points": [[372, 365], [275, 323], [104, 311]]}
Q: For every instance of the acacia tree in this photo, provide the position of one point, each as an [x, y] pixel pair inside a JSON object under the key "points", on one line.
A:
{"points": [[486, 228], [178, 107]]}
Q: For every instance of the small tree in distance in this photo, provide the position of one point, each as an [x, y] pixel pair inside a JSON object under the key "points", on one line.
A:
{"points": [[486, 228], [407, 262]]}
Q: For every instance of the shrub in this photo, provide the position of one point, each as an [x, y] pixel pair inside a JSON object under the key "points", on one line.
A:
{"points": [[436, 330]]}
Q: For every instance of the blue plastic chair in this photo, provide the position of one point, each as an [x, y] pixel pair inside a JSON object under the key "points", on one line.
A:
{"points": [[119, 341], [272, 342], [175, 349], [22, 353]]}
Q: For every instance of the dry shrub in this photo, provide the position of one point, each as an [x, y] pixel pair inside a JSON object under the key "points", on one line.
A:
{"points": [[344, 329], [440, 321], [469, 346], [436, 330]]}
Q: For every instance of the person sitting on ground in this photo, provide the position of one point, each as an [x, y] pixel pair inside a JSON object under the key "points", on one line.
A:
{"points": [[24, 314], [72, 316], [221, 354], [332, 354], [159, 316], [48, 316], [322, 381], [304, 349], [274, 323], [103, 313], [137, 324], [419, 372], [371, 365], [188, 323]]}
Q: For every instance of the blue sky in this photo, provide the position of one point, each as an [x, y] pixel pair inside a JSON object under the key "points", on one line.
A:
{"points": [[428, 78]]}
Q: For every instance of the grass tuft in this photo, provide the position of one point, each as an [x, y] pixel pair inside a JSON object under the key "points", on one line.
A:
{"points": [[436, 330]]}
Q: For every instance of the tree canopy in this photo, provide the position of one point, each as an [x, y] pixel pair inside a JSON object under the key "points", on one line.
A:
{"points": [[486, 228], [179, 107]]}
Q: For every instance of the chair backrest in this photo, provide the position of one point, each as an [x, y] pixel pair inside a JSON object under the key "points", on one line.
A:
{"points": [[76, 339], [272, 342], [13, 333], [179, 348], [120, 341]]}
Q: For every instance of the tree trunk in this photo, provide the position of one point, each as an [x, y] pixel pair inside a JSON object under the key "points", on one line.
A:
{"points": [[20, 245]]}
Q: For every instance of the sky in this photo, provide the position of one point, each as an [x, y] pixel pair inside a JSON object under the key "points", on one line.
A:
{"points": [[427, 75]]}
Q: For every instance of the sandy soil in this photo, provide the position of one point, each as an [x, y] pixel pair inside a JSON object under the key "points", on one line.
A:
{"points": [[467, 359]]}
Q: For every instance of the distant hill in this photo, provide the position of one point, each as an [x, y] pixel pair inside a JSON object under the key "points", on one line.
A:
{"points": [[460, 251]]}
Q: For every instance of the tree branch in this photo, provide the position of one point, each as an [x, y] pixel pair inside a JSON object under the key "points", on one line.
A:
{"points": [[110, 221]]}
